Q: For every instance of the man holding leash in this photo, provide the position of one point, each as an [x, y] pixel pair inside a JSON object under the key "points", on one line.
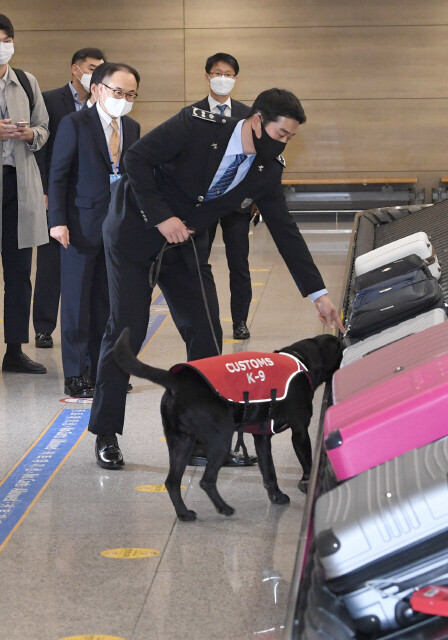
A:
{"points": [[181, 177]]}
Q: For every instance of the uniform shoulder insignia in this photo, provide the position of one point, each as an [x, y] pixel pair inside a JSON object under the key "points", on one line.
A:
{"points": [[207, 115], [282, 160]]}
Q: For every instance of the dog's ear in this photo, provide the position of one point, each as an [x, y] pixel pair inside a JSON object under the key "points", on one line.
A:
{"points": [[330, 348]]}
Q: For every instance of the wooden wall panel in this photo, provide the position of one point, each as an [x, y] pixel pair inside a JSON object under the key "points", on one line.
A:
{"points": [[151, 114], [343, 137], [156, 54], [84, 15], [291, 13], [327, 63], [371, 75]]}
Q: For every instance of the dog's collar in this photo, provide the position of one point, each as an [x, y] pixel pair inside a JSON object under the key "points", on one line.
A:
{"points": [[298, 357]]}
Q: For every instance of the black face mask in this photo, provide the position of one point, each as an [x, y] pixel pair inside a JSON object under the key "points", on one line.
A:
{"points": [[266, 147]]}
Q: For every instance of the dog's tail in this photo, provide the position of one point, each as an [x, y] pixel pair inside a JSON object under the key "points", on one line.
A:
{"points": [[125, 359]]}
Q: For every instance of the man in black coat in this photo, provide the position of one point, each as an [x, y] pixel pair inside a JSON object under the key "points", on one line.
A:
{"points": [[88, 155], [59, 102], [184, 175], [221, 72]]}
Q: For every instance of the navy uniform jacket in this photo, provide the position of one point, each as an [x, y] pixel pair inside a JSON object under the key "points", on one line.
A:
{"points": [[59, 103], [79, 189], [169, 172]]}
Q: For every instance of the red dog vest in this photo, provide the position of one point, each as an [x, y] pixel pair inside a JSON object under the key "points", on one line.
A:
{"points": [[248, 377]]}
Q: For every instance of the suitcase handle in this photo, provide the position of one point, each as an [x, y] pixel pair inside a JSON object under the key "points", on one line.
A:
{"points": [[432, 600], [432, 258]]}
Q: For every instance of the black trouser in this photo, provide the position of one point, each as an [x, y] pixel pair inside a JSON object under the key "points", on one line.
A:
{"points": [[16, 267], [84, 308], [235, 234], [130, 298], [47, 287]]}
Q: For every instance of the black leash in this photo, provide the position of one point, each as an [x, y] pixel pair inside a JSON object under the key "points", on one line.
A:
{"points": [[154, 274]]}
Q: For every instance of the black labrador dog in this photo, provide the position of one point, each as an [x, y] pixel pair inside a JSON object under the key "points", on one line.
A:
{"points": [[192, 411]]}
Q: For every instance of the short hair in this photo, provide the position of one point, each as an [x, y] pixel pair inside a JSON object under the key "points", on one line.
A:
{"points": [[88, 52], [106, 69], [222, 57], [6, 26], [274, 103]]}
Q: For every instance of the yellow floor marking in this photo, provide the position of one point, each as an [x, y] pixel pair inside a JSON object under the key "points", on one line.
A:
{"points": [[130, 553], [258, 270], [92, 637], [258, 284], [154, 488]]}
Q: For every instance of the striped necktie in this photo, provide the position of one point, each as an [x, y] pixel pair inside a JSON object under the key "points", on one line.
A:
{"points": [[222, 108], [226, 179]]}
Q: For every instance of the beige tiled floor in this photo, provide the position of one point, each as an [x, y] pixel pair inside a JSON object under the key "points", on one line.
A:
{"points": [[218, 578]]}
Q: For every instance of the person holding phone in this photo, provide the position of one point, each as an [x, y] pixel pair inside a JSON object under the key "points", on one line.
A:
{"points": [[23, 222]]}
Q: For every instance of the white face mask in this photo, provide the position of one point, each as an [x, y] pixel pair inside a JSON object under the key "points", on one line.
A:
{"points": [[222, 85], [6, 52], [116, 107], [85, 79]]}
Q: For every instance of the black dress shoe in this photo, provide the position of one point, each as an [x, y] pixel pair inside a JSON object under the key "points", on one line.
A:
{"points": [[237, 460], [44, 340], [199, 459], [129, 387], [107, 451], [21, 364], [240, 331], [78, 387]]}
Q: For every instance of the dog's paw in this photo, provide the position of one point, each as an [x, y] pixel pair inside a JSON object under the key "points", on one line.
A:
{"points": [[279, 498], [303, 485], [227, 510], [188, 516]]}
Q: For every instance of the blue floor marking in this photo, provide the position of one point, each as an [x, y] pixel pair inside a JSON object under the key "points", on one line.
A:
{"points": [[24, 484], [155, 320], [28, 479]]}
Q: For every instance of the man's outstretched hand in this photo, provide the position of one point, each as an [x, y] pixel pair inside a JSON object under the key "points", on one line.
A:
{"points": [[327, 313]]}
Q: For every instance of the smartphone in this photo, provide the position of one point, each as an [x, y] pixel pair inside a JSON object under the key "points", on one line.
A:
{"points": [[22, 123]]}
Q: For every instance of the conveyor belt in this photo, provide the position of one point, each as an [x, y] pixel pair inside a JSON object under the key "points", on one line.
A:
{"points": [[372, 229]]}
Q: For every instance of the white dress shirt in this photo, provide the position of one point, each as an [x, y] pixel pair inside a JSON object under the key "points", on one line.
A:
{"points": [[108, 128]]}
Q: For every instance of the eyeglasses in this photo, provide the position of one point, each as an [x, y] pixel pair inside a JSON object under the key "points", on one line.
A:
{"points": [[119, 94], [217, 74]]}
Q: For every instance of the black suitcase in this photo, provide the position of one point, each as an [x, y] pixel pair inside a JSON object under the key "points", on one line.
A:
{"points": [[389, 272], [393, 307]]}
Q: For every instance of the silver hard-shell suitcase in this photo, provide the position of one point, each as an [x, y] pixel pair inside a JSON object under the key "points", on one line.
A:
{"points": [[416, 243], [387, 519], [423, 321]]}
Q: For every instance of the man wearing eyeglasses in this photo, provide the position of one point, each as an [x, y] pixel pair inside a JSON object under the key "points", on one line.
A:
{"points": [[59, 102], [87, 158]]}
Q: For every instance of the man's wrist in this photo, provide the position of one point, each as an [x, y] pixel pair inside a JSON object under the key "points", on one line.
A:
{"points": [[317, 294]]}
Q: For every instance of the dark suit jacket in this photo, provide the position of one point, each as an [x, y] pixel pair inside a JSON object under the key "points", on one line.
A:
{"points": [[238, 109], [59, 103], [169, 172], [79, 187]]}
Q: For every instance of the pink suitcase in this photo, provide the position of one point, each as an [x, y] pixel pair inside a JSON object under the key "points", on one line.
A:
{"points": [[388, 419], [390, 361]]}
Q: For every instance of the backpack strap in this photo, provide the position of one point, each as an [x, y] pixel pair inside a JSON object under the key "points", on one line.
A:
{"points": [[26, 86]]}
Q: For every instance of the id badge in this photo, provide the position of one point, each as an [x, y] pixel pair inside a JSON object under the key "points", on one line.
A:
{"points": [[114, 177]]}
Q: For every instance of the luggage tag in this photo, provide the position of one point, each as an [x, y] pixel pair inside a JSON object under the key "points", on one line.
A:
{"points": [[432, 600]]}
